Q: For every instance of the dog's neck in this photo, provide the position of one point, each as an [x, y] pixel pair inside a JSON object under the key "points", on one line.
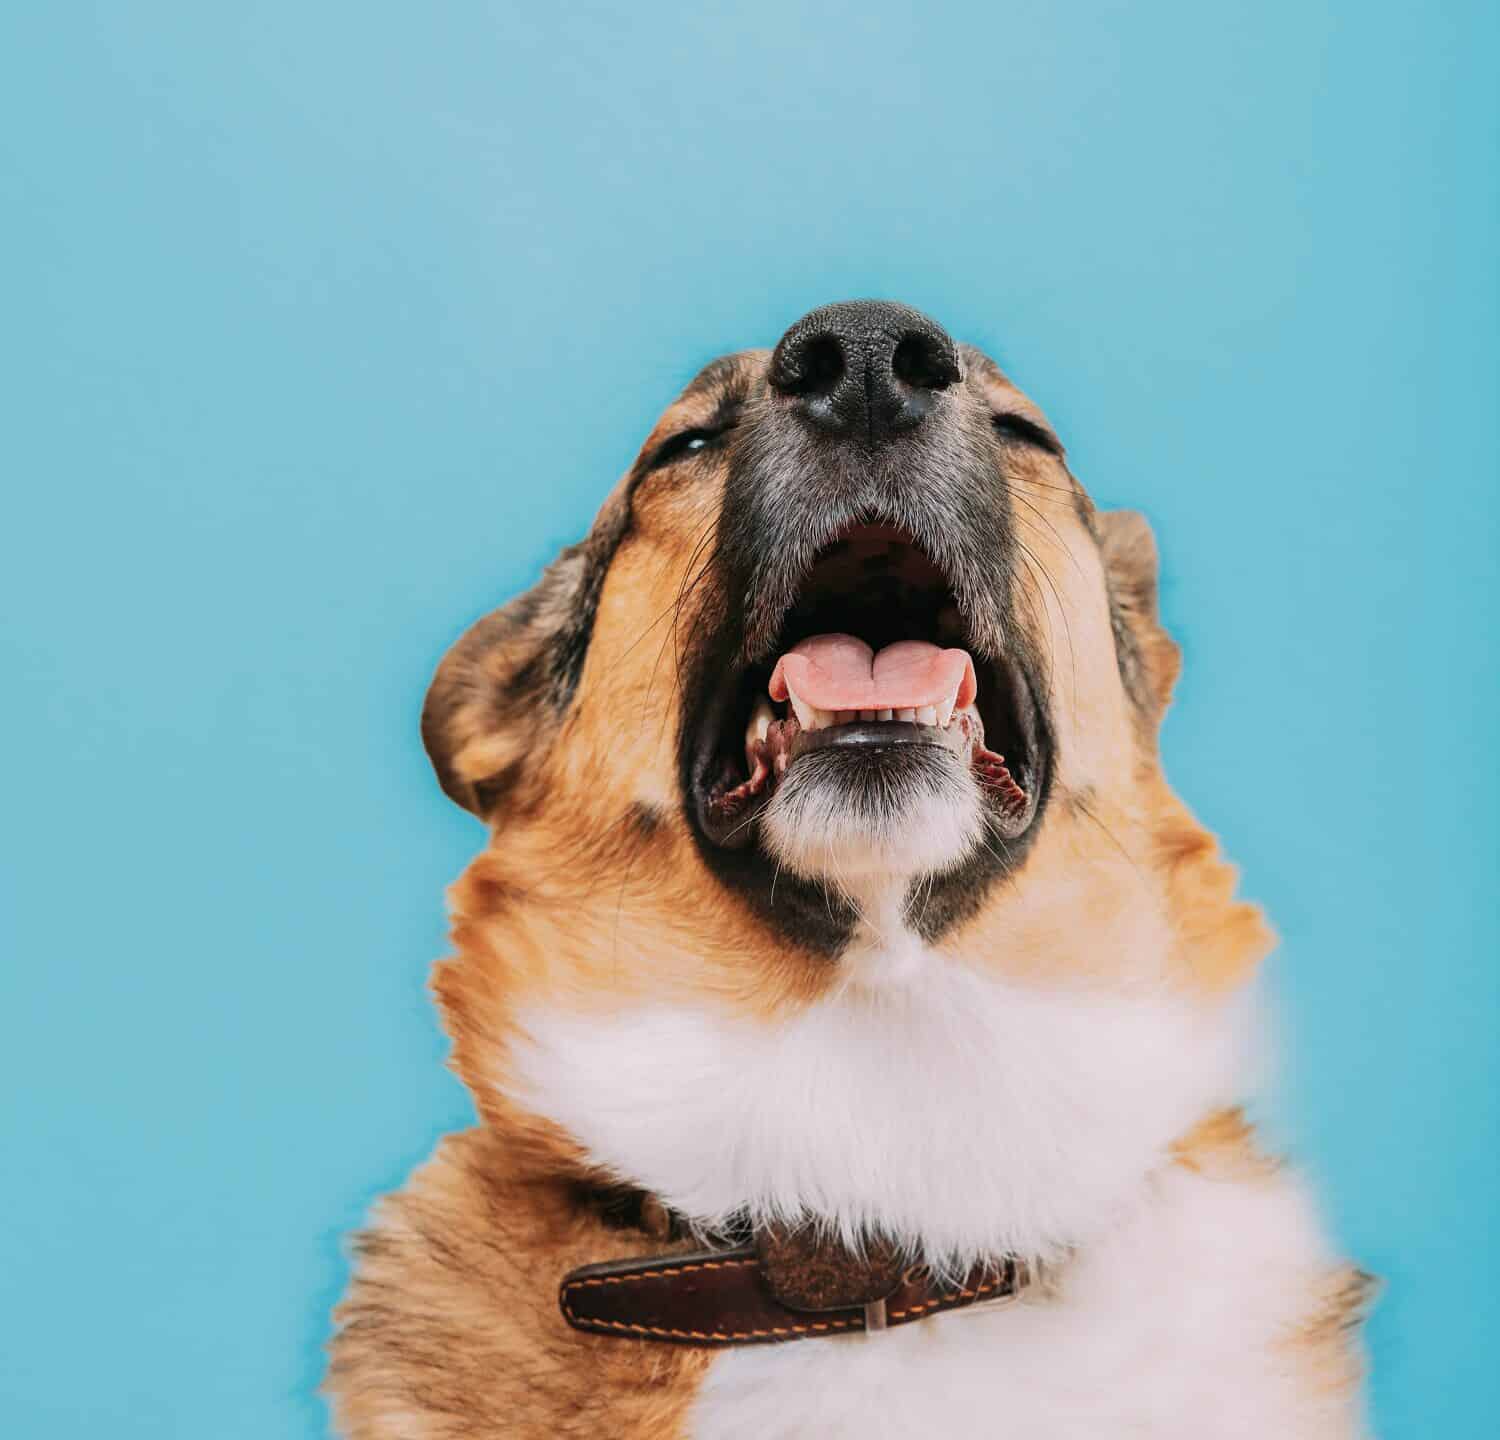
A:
{"points": [[777, 1284], [962, 1113]]}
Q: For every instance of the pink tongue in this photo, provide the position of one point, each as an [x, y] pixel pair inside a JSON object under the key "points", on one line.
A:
{"points": [[841, 672]]}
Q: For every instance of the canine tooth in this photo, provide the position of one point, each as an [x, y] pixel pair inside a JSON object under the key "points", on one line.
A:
{"points": [[945, 710], [906, 713], [883, 714], [927, 715], [760, 722]]}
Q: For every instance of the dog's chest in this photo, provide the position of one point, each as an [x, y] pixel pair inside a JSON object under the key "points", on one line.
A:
{"points": [[1175, 1327], [981, 1116], [984, 1117]]}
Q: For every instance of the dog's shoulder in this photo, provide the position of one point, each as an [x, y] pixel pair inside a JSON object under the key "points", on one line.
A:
{"points": [[1269, 1219], [449, 1327]]}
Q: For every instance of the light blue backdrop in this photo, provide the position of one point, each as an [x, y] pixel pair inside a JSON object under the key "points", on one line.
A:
{"points": [[324, 325]]}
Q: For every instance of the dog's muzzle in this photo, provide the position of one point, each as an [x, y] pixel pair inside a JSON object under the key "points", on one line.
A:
{"points": [[867, 527]]}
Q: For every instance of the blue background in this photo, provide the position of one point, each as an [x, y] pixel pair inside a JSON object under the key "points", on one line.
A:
{"points": [[326, 325]]}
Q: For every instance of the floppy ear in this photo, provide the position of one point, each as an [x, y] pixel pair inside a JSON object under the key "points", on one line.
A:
{"points": [[501, 689], [1149, 658]]}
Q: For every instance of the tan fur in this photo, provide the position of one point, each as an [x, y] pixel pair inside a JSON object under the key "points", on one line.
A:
{"points": [[1325, 1349], [1223, 1145], [592, 890], [451, 1330]]}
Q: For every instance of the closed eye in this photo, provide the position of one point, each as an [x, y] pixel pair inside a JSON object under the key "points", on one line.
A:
{"points": [[1027, 432], [688, 442]]}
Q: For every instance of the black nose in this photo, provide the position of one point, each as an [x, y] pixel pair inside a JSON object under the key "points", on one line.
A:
{"points": [[865, 367]]}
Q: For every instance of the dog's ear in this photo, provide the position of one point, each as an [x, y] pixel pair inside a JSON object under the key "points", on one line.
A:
{"points": [[500, 692], [1149, 658]]}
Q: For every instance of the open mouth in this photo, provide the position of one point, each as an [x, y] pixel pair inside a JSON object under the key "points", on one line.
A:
{"points": [[873, 657]]}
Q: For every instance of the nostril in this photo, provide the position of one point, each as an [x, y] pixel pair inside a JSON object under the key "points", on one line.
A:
{"points": [[813, 368], [924, 363]]}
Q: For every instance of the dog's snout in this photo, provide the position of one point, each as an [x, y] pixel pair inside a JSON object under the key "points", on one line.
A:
{"points": [[866, 368]]}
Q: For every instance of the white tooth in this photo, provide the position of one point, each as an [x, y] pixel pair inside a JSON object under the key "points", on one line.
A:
{"points": [[883, 714], [760, 722], [945, 710], [927, 715], [906, 713], [866, 714], [805, 712]]}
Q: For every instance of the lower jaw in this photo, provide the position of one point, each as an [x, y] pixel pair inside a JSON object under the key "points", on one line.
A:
{"points": [[817, 891], [848, 815], [877, 748]]}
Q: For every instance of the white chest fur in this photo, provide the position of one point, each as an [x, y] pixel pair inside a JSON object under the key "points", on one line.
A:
{"points": [[922, 1098]]}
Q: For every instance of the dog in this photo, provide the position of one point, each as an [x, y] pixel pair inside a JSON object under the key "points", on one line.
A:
{"points": [[855, 1017]]}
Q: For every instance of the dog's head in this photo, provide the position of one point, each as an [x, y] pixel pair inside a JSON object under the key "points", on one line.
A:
{"points": [[850, 624]]}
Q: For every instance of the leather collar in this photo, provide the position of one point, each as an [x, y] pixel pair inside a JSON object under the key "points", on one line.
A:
{"points": [[778, 1287]]}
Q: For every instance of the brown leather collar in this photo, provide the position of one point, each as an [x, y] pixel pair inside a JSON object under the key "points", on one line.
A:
{"points": [[780, 1287]]}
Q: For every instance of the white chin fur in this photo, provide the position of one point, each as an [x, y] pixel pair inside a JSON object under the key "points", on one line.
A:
{"points": [[924, 820]]}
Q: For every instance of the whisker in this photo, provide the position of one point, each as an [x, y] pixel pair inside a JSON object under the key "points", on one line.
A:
{"points": [[1052, 529], [685, 588], [1032, 559], [1084, 809]]}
